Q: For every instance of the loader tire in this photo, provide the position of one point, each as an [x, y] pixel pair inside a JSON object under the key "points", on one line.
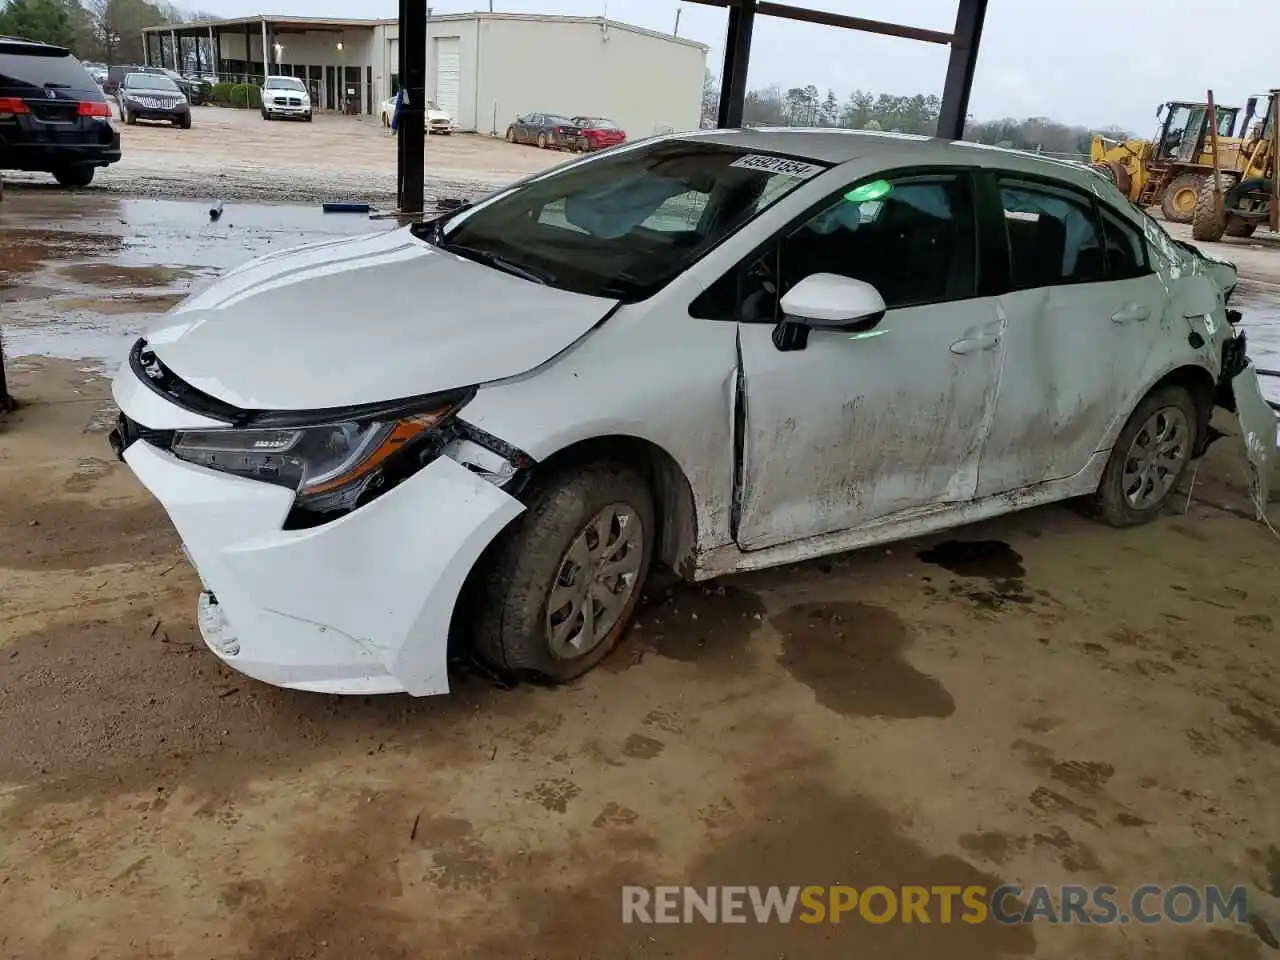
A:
{"points": [[1239, 228], [1179, 201], [1209, 223]]}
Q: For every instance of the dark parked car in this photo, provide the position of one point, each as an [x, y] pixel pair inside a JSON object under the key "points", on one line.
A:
{"points": [[596, 133], [115, 76], [53, 117], [153, 96], [547, 130], [197, 90]]}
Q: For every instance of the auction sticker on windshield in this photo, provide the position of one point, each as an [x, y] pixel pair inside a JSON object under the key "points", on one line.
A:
{"points": [[778, 165]]}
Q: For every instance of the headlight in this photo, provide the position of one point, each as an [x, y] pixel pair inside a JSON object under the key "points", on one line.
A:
{"points": [[330, 466]]}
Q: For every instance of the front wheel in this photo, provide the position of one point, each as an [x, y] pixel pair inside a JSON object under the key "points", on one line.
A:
{"points": [[1149, 459], [185, 121], [511, 135], [80, 176], [561, 584], [542, 141]]}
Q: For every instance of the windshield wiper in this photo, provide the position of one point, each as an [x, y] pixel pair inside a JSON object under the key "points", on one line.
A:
{"points": [[497, 262]]}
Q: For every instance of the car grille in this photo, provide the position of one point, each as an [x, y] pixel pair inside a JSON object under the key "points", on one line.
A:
{"points": [[290, 101], [153, 103]]}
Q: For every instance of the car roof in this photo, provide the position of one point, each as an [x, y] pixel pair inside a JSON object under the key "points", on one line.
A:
{"points": [[836, 146], [17, 46]]}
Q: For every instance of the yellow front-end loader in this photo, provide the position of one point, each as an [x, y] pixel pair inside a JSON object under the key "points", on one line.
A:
{"points": [[1243, 190], [1170, 170]]}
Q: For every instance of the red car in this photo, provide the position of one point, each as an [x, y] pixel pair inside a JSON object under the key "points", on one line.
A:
{"points": [[597, 133]]}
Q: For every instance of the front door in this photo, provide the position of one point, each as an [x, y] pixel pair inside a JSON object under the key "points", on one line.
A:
{"points": [[857, 426], [1078, 334]]}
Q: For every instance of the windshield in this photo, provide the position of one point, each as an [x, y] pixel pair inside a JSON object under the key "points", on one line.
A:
{"points": [[627, 223], [150, 81], [285, 83], [598, 123]]}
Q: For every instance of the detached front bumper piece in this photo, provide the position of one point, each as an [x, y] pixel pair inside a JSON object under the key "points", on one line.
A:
{"points": [[360, 605]]}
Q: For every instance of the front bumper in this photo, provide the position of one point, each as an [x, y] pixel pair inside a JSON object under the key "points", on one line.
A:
{"points": [[360, 605], [285, 110]]}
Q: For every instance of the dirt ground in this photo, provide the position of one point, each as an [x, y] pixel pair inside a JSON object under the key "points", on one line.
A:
{"points": [[1063, 703], [236, 155]]}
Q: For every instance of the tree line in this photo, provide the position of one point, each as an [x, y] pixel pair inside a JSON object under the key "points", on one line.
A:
{"points": [[106, 31], [918, 114]]}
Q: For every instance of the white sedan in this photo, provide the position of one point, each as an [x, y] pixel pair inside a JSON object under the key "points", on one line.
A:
{"points": [[437, 120], [718, 351], [286, 97]]}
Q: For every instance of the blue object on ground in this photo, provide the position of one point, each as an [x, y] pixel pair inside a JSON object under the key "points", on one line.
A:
{"points": [[343, 207]]}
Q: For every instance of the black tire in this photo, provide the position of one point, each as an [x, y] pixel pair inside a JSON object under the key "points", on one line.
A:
{"points": [[1239, 228], [542, 141], [513, 587], [184, 122], [307, 118], [78, 176], [1180, 198], [1210, 221], [130, 118], [511, 135], [1110, 503]]}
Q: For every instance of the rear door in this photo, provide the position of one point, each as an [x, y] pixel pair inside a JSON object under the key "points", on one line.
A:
{"points": [[1080, 323]]}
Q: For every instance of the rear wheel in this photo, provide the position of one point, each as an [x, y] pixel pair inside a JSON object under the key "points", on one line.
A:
{"points": [[1149, 459], [561, 584], [80, 176], [1179, 201], [1239, 228]]}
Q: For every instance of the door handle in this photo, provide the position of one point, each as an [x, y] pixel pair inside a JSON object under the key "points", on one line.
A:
{"points": [[1130, 312], [975, 344]]}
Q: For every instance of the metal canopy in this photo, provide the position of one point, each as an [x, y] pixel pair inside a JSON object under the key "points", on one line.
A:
{"points": [[963, 42]]}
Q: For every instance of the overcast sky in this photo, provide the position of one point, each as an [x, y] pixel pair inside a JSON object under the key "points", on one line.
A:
{"points": [[1074, 60]]}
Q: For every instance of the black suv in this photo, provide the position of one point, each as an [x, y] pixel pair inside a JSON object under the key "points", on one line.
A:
{"points": [[53, 117]]}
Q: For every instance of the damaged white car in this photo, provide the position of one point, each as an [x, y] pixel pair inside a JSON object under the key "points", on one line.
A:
{"points": [[717, 351]]}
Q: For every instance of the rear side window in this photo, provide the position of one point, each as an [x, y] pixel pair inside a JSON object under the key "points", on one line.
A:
{"points": [[1054, 236], [24, 74], [1126, 253]]}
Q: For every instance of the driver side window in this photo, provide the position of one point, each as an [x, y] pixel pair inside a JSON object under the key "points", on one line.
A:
{"points": [[913, 238]]}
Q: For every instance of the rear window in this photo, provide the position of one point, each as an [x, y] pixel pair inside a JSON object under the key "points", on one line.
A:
{"points": [[19, 71]]}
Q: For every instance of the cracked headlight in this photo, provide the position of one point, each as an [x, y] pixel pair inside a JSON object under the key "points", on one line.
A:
{"points": [[330, 466]]}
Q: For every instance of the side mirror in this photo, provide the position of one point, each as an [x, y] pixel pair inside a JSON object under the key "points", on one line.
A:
{"points": [[828, 301]]}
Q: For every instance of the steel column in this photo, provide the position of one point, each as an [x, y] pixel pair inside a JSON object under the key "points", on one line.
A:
{"points": [[266, 54], [412, 127], [960, 68], [173, 50], [737, 57]]}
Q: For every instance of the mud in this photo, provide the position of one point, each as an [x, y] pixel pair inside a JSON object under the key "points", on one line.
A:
{"points": [[860, 720]]}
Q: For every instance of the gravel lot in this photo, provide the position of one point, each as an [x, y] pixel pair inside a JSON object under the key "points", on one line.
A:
{"points": [[236, 155]]}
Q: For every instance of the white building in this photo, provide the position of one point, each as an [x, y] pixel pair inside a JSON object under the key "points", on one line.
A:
{"points": [[484, 68]]}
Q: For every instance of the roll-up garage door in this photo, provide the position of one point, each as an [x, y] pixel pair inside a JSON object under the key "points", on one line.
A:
{"points": [[448, 74]]}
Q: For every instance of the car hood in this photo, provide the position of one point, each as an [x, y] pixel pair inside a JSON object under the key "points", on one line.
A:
{"points": [[438, 115], [364, 320]]}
